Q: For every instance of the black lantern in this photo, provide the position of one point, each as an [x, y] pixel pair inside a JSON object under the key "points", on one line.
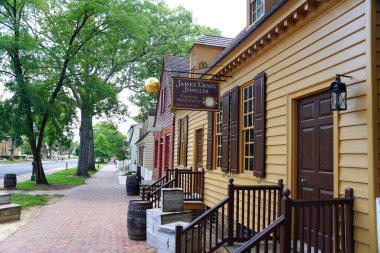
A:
{"points": [[338, 94]]}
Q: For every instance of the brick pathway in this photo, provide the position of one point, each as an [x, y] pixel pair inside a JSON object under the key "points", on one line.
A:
{"points": [[91, 218]]}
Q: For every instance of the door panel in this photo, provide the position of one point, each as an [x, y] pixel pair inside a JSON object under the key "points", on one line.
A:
{"points": [[315, 158], [315, 146]]}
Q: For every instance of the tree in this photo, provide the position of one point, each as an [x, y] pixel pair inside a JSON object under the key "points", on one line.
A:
{"points": [[114, 137], [10, 125], [102, 69], [58, 131], [39, 39], [172, 32], [138, 35], [102, 146]]}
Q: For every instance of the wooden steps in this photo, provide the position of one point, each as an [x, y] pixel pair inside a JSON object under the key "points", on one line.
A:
{"points": [[197, 207], [8, 211]]}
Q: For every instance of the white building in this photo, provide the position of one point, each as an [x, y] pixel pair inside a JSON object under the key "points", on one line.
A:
{"points": [[141, 146], [145, 146], [132, 137]]}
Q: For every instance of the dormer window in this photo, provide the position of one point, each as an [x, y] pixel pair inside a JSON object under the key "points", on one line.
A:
{"points": [[256, 10]]}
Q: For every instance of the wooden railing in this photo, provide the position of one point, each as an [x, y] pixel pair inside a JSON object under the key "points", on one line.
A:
{"points": [[151, 188], [190, 181], [254, 208], [245, 212], [206, 233], [308, 226], [266, 240], [155, 196], [169, 175]]}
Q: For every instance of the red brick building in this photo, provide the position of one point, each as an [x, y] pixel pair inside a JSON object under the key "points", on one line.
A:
{"points": [[164, 120]]}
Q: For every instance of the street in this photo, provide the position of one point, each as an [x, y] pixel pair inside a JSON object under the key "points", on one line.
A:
{"points": [[22, 168]]}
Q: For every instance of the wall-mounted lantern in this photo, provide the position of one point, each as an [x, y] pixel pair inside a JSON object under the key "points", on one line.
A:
{"points": [[152, 85], [338, 94]]}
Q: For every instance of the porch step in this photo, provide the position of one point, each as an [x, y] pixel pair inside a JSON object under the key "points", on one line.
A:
{"points": [[10, 212], [5, 198], [237, 245], [197, 207]]}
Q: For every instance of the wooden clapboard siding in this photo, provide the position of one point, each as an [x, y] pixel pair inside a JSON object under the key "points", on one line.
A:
{"points": [[330, 41], [197, 120]]}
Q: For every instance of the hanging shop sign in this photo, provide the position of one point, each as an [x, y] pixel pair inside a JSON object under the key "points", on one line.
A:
{"points": [[195, 94]]}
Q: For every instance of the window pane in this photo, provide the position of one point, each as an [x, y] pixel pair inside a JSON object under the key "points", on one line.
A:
{"points": [[249, 120], [251, 135]]}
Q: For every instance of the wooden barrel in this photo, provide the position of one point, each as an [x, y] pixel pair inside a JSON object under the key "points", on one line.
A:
{"points": [[136, 219], [132, 185], [10, 181]]}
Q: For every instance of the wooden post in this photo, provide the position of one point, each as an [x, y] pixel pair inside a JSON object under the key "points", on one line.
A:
{"points": [[178, 234], [176, 178], [349, 215], [202, 184], [286, 228], [148, 195], [230, 212], [143, 193], [279, 196]]}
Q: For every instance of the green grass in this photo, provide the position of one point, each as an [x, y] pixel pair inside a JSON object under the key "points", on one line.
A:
{"points": [[63, 177], [14, 161], [25, 200]]}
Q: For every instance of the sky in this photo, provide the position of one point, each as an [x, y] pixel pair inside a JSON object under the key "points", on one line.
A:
{"points": [[226, 15]]}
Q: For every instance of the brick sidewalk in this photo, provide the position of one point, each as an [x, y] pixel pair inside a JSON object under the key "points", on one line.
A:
{"points": [[91, 218]]}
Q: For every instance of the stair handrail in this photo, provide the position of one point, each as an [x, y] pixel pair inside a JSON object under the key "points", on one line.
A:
{"points": [[265, 233], [227, 223], [153, 186], [342, 240], [181, 231], [341, 208], [152, 196]]}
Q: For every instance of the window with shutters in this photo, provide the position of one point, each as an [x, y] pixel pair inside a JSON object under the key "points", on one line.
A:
{"points": [[248, 127], [218, 137]]}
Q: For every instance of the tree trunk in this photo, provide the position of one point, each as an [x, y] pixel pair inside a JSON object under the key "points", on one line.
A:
{"points": [[84, 143], [37, 166], [51, 153], [13, 146], [91, 155]]}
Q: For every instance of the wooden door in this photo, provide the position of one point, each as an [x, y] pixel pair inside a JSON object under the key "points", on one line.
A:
{"points": [[199, 148], [315, 148], [315, 158]]}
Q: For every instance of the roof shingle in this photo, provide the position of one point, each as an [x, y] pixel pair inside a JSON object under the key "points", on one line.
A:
{"points": [[215, 41]]}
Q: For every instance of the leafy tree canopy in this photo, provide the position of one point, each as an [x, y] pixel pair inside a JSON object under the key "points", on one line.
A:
{"points": [[172, 32], [114, 138]]}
